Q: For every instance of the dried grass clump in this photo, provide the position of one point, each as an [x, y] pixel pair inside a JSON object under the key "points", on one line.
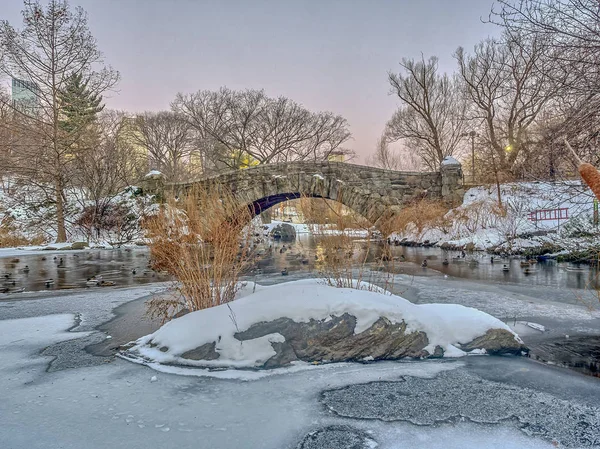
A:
{"points": [[202, 242], [9, 241], [9, 238], [343, 261], [342, 256], [418, 216]]}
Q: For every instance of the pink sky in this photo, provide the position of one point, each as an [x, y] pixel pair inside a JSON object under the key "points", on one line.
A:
{"points": [[328, 55]]}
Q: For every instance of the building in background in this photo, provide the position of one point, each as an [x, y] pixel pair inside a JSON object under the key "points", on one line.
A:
{"points": [[336, 156], [25, 96]]}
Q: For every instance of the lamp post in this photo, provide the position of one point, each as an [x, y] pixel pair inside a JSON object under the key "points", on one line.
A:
{"points": [[472, 135]]}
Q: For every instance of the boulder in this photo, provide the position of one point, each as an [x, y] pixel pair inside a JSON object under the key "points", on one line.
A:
{"points": [[79, 245], [496, 342], [334, 340], [284, 231], [309, 321]]}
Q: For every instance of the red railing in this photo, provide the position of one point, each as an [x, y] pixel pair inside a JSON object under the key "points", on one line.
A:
{"points": [[549, 214]]}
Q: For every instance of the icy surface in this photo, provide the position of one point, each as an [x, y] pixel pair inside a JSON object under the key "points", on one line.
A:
{"points": [[91, 307], [420, 402], [302, 301], [117, 405]]}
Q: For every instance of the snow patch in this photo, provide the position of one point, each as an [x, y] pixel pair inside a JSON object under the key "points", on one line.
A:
{"points": [[449, 160]]}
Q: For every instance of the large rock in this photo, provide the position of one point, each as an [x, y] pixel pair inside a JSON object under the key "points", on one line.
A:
{"points": [[334, 340], [496, 342], [284, 231], [307, 320]]}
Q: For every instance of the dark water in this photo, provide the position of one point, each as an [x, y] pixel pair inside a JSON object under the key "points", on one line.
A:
{"points": [[298, 256], [474, 266], [32, 272]]}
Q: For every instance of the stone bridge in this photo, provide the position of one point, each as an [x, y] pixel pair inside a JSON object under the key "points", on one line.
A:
{"points": [[372, 192]]}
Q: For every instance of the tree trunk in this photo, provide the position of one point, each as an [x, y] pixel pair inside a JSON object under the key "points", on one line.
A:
{"points": [[60, 213]]}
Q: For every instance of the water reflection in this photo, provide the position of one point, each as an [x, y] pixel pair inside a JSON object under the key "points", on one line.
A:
{"points": [[41, 272], [408, 260], [129, 267]]}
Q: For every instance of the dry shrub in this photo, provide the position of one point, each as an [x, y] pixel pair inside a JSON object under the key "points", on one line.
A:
{"points": [[418, 216], [342, 258], [10, 238], [478, 215], [343, 262], [201, 241]]}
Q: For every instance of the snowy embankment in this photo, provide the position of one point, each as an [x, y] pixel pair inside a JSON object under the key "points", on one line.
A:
{"points": [[535, 217], [26, 213], [312, 315]]}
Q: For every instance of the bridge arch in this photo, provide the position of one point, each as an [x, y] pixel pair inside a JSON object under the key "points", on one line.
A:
{"points": [[371, 192]]}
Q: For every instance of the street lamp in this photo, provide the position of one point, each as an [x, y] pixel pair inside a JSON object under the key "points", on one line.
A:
{"points": [[472, 135]]}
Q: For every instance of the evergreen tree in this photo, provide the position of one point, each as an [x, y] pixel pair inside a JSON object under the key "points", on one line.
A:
{"points": [[53, 43], [79, 107]]}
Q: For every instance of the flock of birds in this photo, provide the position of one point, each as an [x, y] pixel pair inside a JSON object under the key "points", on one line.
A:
{"points": [[14, 276], [528, 264]]}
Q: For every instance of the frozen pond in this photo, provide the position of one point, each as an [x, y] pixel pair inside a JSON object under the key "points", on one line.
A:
{"points": [[55, 393]]}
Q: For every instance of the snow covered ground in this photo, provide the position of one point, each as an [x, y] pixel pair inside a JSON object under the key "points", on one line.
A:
{"points": [[104, 402], [479, 222], [27, 213]]}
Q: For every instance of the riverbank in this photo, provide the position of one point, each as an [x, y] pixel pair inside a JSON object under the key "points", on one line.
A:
{"points": [[555, 219]]}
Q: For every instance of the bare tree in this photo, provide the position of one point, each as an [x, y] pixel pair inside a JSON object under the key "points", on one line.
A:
{"points": [[54, 44], [248, 125], [392, 158], [430, 118], [102, 174], [569, 24], [169, 141], [508, 83], [571, 31]]}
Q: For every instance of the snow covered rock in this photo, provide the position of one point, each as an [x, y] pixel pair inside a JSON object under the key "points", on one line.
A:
{"points": [[154, 174], [450, 161], [284, 231], [308, 321]]}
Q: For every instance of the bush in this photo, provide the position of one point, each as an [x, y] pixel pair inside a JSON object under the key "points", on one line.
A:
{"points": [[202, 242], [418, 216]]}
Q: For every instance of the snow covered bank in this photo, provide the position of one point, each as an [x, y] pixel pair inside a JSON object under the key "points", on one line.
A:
{"points": [[308, 321], [26, 213], [535, 216]]}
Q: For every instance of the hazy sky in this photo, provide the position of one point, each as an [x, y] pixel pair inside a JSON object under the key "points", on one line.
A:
{"points": [[325, 54]]}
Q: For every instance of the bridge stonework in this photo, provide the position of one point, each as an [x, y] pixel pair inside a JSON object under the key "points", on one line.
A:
{"points": [[372, 192]]}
